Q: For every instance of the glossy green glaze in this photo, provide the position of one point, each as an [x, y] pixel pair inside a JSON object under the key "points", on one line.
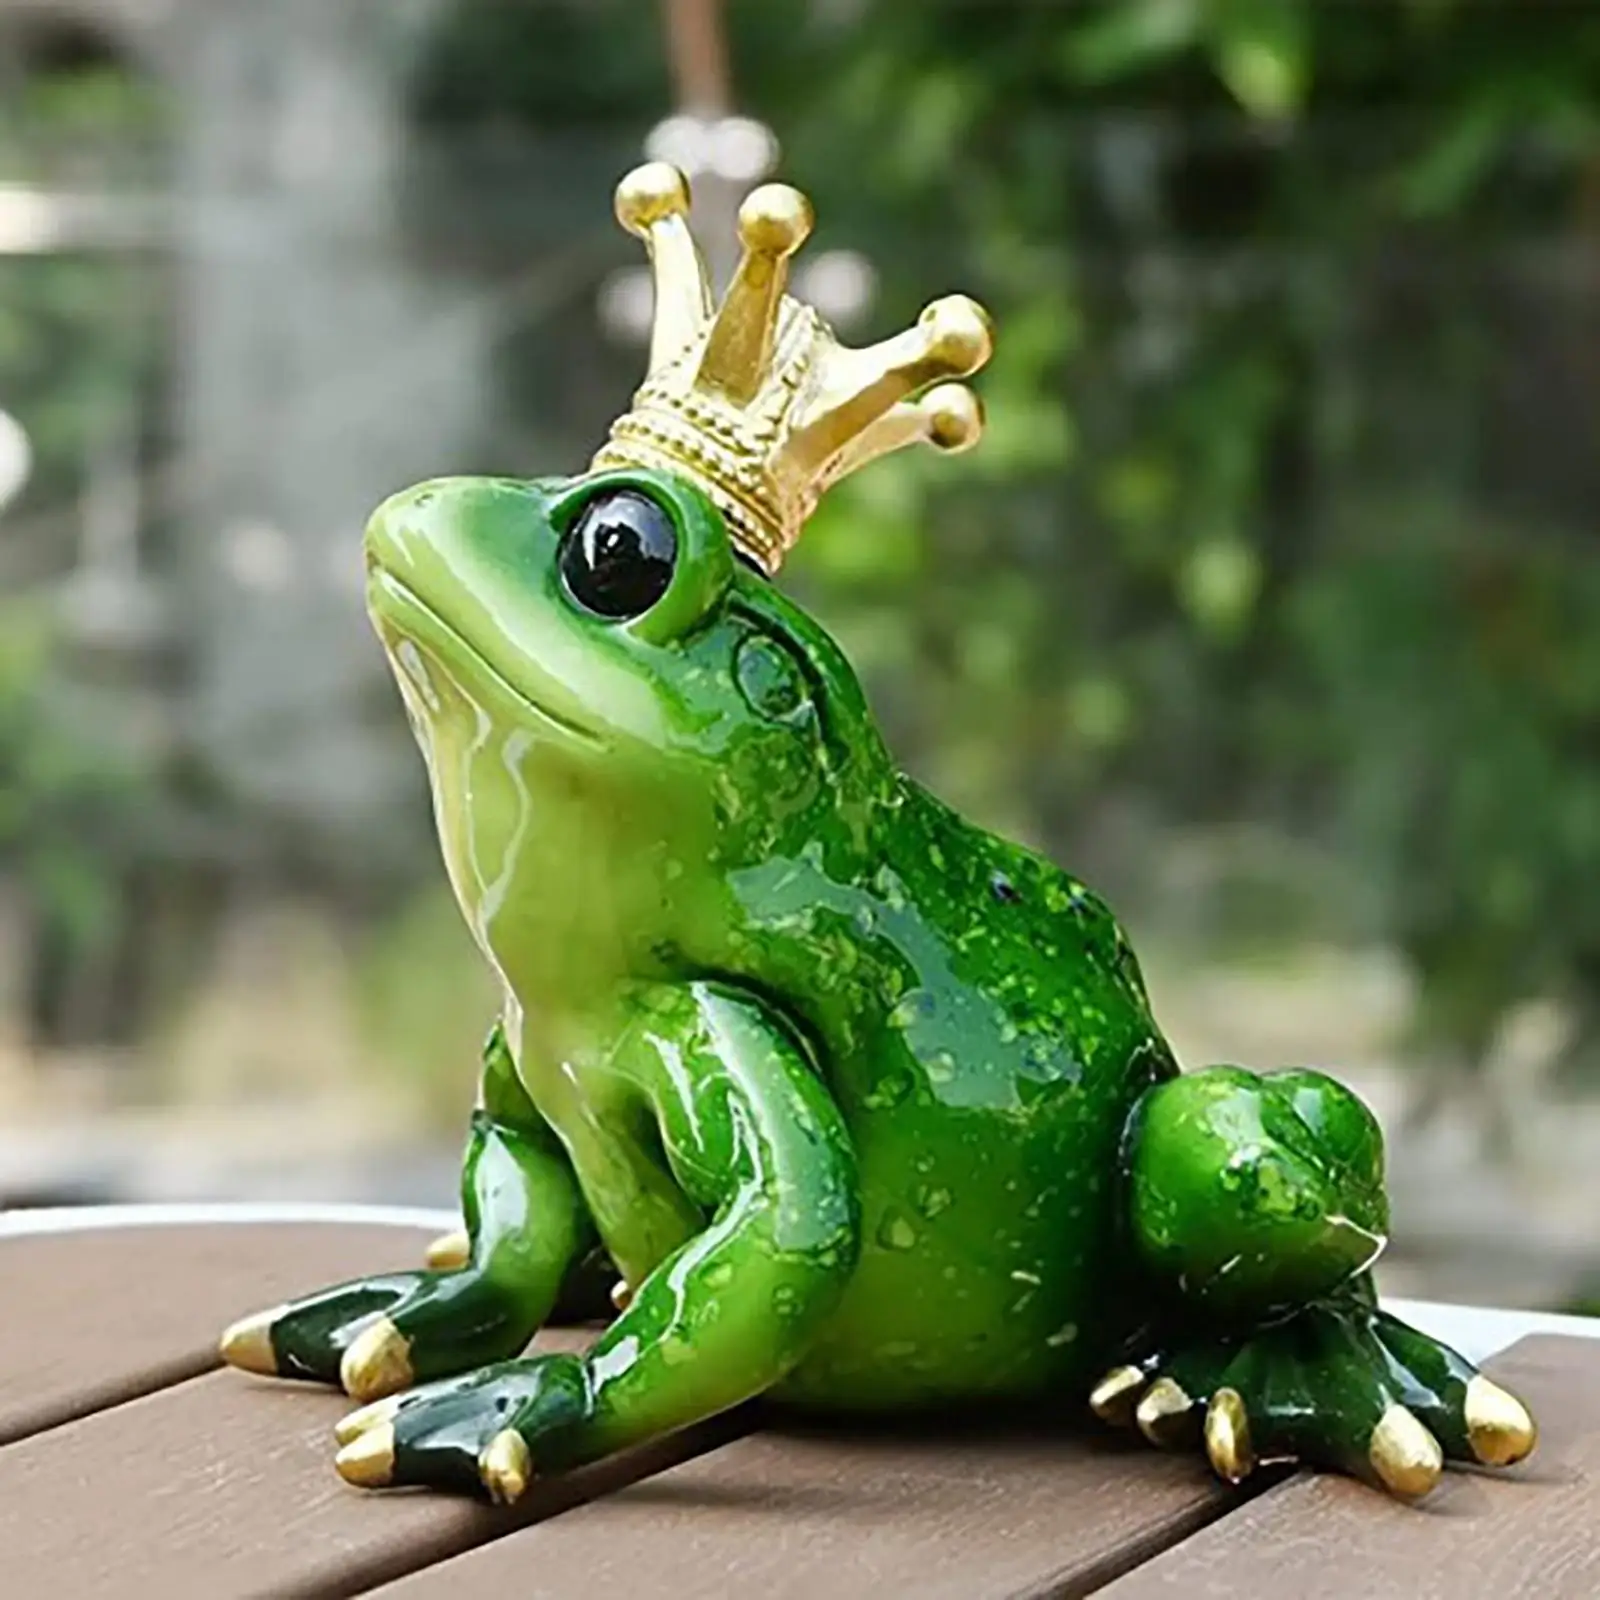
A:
{"points": [[866, 1106]]}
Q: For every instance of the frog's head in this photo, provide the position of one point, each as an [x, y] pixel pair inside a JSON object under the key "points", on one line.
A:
{"points": [[612, 697], [609, 697]]}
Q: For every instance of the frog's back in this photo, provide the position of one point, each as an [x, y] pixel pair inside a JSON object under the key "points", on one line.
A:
{"points": [[1040, 946], [987, 1103]]}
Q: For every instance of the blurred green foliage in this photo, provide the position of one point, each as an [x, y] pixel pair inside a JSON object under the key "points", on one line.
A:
{"points": [[81, 332], [1286, 508], [80, 341], [70, 800]]}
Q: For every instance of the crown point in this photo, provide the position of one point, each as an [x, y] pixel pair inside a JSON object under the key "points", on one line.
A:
{"points": [[960, 334], [774, 220], [756, 401], [953, 417], [650, 193]]}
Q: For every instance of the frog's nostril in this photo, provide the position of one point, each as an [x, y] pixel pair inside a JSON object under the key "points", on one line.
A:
{"points": [[386, 526], [416, 498]]}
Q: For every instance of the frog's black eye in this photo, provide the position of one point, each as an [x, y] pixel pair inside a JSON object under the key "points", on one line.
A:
{"points": [[617, 558]]}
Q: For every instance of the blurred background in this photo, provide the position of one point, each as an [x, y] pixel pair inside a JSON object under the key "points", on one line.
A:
{"points": [[1271, 604]]}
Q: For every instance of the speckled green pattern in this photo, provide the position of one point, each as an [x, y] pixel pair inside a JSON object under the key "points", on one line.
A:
{"points": [[866, 1106]]}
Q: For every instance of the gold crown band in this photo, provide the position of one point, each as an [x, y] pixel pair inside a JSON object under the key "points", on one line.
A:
{"points": [[757, 402]]}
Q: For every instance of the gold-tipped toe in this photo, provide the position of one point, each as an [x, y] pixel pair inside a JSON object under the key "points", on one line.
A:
{"points": [[355, 1423], [247, 1344], [1164, 1415], [1116, 1394], [368, 1460], [505, 1467], [377, 1363], [450, 1250], [1499, 1427], [1228, 1445], [621, 1295], [1405, 1456]]}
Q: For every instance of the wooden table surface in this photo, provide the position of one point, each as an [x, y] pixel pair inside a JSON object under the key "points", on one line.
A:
{"points": [[130, 1466]]}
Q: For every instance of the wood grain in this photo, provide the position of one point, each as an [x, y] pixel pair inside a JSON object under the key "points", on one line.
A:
{"points": [[224, 1486], [795, 1515], [90, 1319], [1533, 1531], [170, 1480]]}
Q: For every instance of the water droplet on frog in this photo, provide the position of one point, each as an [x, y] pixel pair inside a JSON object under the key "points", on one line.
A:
{"points": [[895, 1231], [916, 1005], [1031, 1091], [930, 1201], [889, 1090], [1003, 889], [941, 1067]]}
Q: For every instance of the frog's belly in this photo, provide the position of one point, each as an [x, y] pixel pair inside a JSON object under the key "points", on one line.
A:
{"points": [[984, 1272]]}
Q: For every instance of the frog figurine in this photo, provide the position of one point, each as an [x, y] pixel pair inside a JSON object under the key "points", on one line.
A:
{"points": [[864, 1107]]}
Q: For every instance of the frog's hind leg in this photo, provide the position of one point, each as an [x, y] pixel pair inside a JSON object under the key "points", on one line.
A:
{"points": [[526, 1227], [1257, 1205]]}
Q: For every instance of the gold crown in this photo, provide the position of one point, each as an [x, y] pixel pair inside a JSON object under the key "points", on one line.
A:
{"points": [[759, 404]]}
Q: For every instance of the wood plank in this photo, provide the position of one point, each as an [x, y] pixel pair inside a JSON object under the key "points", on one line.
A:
{"points": [[1533, 1531], [796, 1514], [95, 1318], [223, 1486]]}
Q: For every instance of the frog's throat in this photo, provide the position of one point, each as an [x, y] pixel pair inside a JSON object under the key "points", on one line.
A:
{"points": [[393, 603]]}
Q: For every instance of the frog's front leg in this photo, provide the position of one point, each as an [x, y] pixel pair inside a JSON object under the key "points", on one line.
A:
{"points": [[1256, 1205], [752, 1137], [526, 1227]]}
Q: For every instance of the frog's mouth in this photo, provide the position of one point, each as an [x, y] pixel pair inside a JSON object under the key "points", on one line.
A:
{"points": [[395, 605]]}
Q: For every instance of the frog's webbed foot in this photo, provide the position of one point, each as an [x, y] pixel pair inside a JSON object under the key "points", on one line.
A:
{"points": [[483, 1434], [377, 1336], [1340, 1384]]}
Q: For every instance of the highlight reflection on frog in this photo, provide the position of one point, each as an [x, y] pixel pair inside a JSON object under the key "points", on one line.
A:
{"points": [[865, 1107]]}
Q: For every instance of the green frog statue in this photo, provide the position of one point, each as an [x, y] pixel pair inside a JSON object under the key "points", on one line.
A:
{"points": [[863, 1108]]}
